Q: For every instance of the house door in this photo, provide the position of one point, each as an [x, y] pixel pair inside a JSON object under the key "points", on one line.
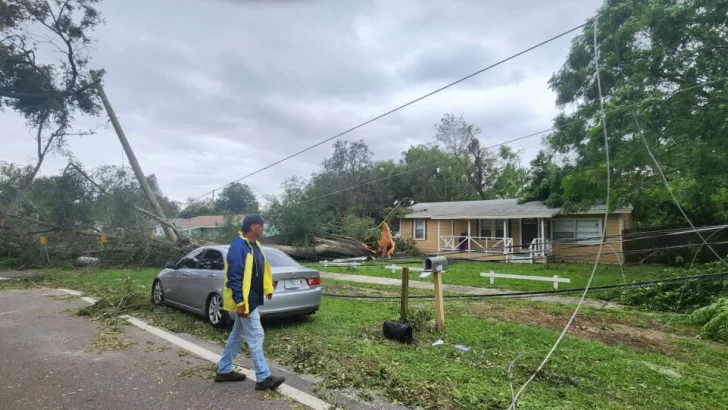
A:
{"points": [[529, 231]]}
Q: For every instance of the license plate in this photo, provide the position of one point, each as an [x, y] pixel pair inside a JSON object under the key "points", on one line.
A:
{"points": [[294, 283]]}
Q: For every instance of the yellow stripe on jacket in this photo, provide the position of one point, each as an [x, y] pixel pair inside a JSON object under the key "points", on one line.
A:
{"points": [[227, 297]]}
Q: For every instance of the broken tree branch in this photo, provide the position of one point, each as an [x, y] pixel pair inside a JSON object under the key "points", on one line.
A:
{"points": [[158, 219], [386, 218], [136, 208], [57, 227]]}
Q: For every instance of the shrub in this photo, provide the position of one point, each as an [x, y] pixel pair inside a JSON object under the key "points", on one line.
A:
{"points": [[406, 247], [714, 319], [665, 297]]}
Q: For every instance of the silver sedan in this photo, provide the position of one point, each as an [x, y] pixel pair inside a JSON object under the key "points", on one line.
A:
{"points": [[195, 283]]}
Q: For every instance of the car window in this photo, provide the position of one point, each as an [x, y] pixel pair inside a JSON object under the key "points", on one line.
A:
{"points": [[191, 260], [278, 259], [212, 260]]}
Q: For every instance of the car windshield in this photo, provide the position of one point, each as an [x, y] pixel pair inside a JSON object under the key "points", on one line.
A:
{"points": [[278, 259]]}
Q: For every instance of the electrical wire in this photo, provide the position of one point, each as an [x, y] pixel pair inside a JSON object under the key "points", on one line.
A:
{"points": [[511, 295], [613, 239], [434, 164], [669, 189], [392, 111], [660, 171], [604, 228], [684, 287], [491, 257]]}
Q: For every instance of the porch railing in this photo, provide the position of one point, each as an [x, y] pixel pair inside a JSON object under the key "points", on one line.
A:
{"points": [[540, 247], [487, 245]]}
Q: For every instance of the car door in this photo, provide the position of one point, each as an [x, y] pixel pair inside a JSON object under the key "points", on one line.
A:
{"points": [[205, 279], [184, 271]]}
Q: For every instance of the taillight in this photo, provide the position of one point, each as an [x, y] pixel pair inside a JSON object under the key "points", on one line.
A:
{"points": [[313, 281]]}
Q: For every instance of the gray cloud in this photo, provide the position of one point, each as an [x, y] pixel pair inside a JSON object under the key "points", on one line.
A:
{"points": [[220, 88]]}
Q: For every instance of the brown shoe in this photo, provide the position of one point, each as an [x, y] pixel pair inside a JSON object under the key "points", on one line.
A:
{"points": [[229, 377], [270, 383]]}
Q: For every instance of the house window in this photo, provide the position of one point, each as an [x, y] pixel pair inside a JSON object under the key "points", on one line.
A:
{"points": [[419, 227], [586, 231], [486, 228], [493, 228], [499, 225]]}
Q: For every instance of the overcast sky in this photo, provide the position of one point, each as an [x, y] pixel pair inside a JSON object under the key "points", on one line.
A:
{"points": [[210, 90]]}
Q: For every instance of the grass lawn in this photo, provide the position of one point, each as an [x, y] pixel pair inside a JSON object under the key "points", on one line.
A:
{"points": [[468, 273], [610, 360]]}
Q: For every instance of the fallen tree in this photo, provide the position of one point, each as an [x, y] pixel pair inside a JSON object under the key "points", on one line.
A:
{"points": [[325, 246]]}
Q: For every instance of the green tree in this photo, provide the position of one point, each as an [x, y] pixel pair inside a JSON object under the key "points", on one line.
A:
{"points": [[545, 178], [196, 207], [345, 182], [48, 94], [511, 178], [667, 57], [429, 174], [115, 208], [294, 214], [461, 140], [237, 198], [491, 175]]}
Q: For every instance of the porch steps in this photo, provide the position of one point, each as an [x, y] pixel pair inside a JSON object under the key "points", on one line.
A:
{"points": [[520, 258]]}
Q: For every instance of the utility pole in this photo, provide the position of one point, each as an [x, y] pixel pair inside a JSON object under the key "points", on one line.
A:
{"points": [[132, 158]]}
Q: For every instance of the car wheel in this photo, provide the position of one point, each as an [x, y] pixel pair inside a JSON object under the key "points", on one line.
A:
{"points": [[216, 315], [157, 292]]}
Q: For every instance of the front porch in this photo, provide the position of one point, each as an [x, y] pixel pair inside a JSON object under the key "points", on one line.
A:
{"points": [[511, 240]]}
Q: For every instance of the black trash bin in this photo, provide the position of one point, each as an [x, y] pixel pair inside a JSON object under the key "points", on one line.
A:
{"points": [[400, 332]]}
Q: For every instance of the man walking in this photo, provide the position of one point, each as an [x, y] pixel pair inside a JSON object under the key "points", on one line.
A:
{"points": [[248, 279]]}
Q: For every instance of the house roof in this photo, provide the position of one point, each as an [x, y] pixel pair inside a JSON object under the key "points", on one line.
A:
{"points": [[492, 209], [204, 221]]}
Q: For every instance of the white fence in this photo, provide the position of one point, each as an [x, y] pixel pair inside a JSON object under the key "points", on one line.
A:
{"points": [[348, 262], [555, 279]]}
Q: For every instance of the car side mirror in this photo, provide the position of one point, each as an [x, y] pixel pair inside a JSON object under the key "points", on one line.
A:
{"points": [[170, 265]]}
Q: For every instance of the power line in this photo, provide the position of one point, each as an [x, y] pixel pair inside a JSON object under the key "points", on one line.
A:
{"points": [[514, 403], [433, 164], [481, 256], [508, 295], [392, 111]]}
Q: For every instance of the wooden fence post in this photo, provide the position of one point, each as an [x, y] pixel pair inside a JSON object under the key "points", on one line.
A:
{"points": [[439, 307], [405, 294]]}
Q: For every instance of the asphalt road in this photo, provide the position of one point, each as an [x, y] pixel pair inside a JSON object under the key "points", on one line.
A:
{"points": [[52, 359]]}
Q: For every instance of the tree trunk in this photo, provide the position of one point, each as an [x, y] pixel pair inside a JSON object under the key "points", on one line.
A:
{"points": [[25, 182], [332, 247]]}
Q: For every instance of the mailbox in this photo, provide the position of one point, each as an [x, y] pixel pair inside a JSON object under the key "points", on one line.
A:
{"points": [[435, 264]]}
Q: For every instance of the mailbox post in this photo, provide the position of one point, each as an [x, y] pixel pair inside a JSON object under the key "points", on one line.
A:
{"points": [[437, 265]]}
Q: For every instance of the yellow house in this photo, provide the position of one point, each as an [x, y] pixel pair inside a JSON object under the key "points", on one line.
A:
{"points": [[504, 230]]}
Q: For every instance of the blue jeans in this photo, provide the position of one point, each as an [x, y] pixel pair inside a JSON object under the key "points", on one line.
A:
{"points": [[251, 330]]}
